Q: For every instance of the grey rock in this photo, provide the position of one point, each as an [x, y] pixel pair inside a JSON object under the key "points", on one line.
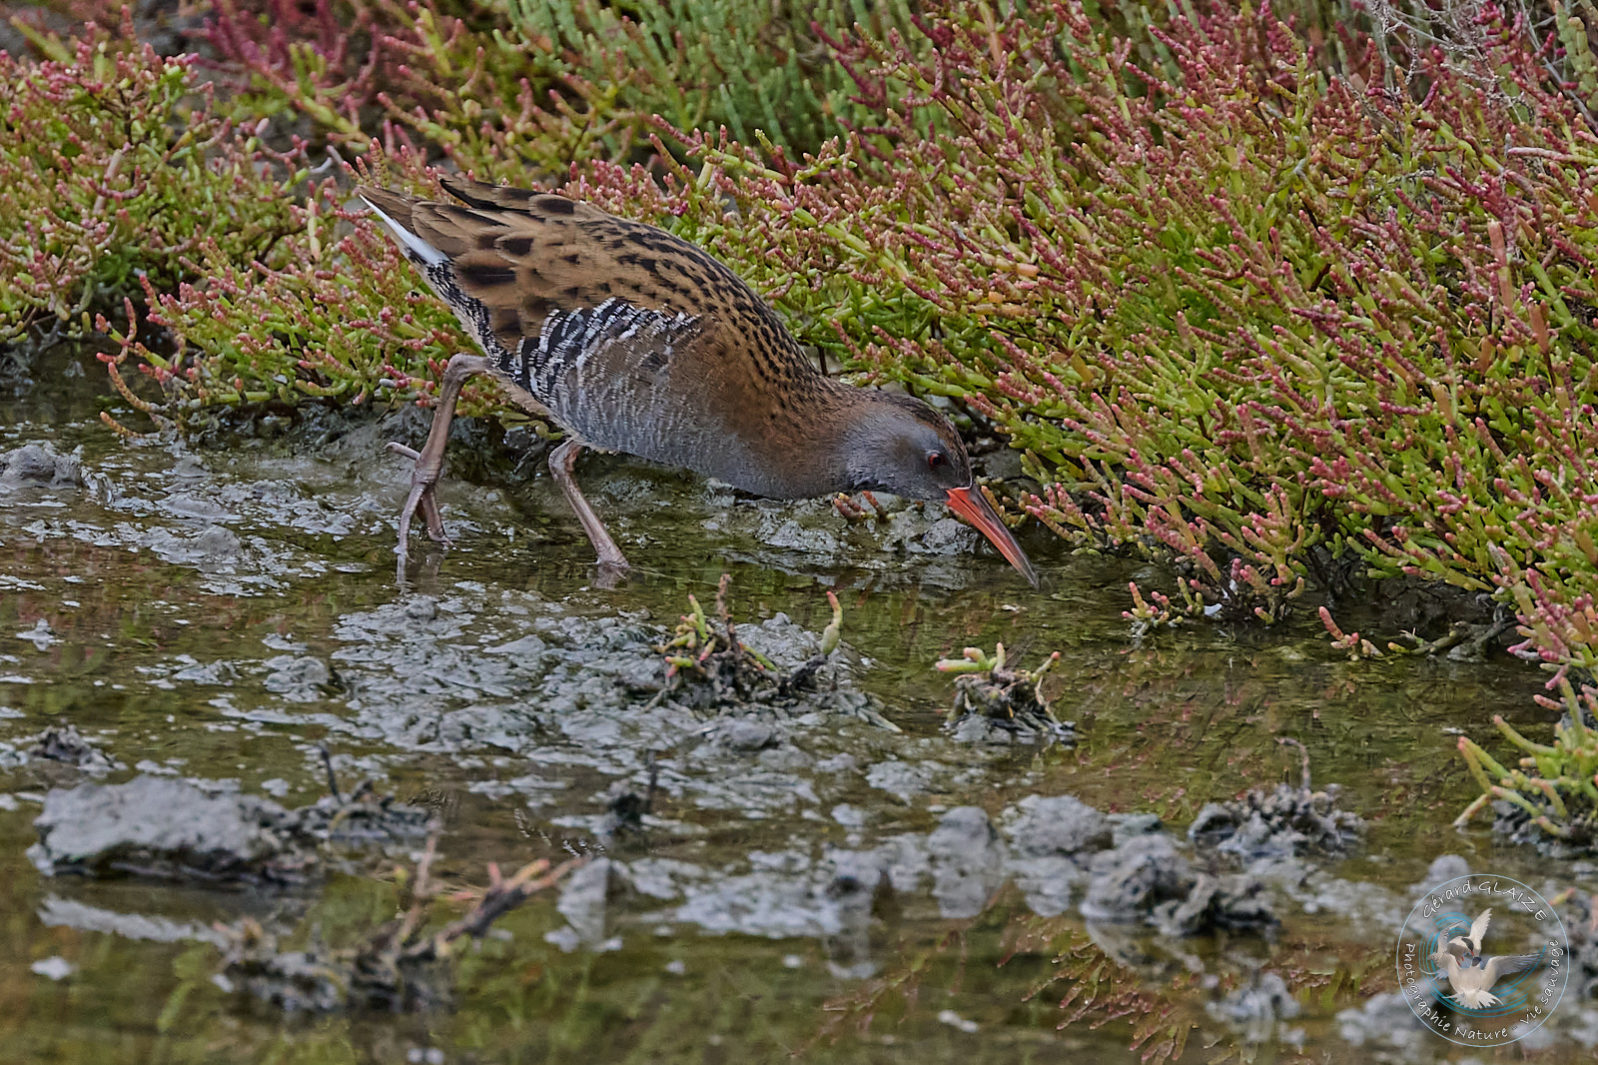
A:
{"points": [[1040, 826], [1129, 881], [967, 861], [162, 827]]}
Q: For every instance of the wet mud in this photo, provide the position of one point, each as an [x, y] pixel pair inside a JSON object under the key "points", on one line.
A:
{"points": [[164, 828], [785, 844], [1283, 821]]}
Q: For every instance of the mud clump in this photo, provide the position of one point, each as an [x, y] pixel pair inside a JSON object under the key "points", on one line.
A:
{"points": [[1386, 1029], [170, 829], [625, 810], [1280, 823], [167, 829], [1256, 1011], [300, 678], [1580, 917], [1048, 826], [66, 745], [966, 857], [1056, 844], [365, 817], [1285, 822], [994, 703], [708, 668], [315, 980], [1146, 879], [1052, 840], [1230, 901], [1580, 830], [39, 464], [1129, 881]]}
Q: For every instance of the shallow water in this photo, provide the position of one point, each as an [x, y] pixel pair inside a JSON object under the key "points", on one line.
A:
{"points": [[218, 611]]}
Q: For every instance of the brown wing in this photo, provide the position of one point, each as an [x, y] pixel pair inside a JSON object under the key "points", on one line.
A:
{"points": [[523, 254], [538, 277], [518, 262]]}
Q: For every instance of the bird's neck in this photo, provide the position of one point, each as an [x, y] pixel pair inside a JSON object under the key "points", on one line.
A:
{"points": [[858, 427], [814, 432]]}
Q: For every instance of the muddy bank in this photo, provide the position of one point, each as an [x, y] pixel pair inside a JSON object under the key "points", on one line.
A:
{"points": [[207, 619]]}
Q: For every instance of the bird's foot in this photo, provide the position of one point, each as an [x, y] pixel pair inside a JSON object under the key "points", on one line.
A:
{"points": [[430, 460], [423, 480], [610, 574]]}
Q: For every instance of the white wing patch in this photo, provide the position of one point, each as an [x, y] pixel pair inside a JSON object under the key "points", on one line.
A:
{"points": [[418, 248]]}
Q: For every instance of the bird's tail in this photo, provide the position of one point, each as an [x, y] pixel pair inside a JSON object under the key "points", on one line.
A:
{"points": [[1477, 1000], [394, 210]]}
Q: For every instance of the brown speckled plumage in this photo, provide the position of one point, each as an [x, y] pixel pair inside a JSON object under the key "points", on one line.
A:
{"points": [[634, 340]]}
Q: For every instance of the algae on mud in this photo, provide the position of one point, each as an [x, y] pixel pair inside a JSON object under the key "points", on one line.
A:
{"points": [[995, 704]]}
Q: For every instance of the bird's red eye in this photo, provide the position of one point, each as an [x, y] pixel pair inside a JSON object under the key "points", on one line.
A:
{"points": [[936, 459]]}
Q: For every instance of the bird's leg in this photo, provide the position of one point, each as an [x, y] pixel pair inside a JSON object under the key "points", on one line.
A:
{"points": [[427, 504], [430, 460], [561, 464]]}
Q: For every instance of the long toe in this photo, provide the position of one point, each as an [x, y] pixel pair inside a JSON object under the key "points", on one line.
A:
{"points": [[402, 549], [434, 520], [421, 499]]}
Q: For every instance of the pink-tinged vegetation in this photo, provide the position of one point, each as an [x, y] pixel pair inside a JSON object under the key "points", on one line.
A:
{"points": [[1274, 306], [115, 171], [342, 325], [541, 85], [1356, 645]]}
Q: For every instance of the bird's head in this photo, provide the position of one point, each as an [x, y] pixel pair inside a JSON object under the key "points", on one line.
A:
{"points": [[901, 445]]}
